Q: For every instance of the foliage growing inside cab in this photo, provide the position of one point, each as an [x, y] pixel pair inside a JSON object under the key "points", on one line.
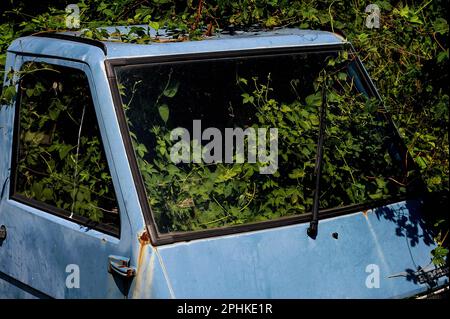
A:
{"points": [[60, 158], [362, 163]]}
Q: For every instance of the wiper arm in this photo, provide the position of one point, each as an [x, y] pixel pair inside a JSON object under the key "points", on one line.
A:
{"points": [[314, 224]]}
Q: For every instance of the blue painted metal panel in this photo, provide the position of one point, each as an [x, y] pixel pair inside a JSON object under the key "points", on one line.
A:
{"points": [[10, 289], [91, 54], [286, 263], [282, 38]]}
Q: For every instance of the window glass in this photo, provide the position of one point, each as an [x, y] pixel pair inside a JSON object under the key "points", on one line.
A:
{"points": [[61, 161], [362, 161], [232, 141]]}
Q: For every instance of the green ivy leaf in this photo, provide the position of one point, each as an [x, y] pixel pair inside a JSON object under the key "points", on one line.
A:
{"points": [[404, 11], [314, 99], [297, 173], [247, 98], [440, 26], [172, 90], [442, 56], [164, 112], [154, 25], [8, 93]]}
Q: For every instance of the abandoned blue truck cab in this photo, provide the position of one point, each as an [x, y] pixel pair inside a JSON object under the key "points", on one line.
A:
{"points": [[255, 164]]}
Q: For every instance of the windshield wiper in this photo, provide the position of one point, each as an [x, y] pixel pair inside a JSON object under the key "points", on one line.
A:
{"points": [[314, 224]]}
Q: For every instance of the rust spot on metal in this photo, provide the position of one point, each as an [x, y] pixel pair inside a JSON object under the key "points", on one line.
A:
{"points": [[145, 267], [144, 276], [141, 250], [365, 212], [131, 272], [144, 238]]}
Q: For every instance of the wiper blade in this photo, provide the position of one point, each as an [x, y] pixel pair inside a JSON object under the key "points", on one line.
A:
{"points": [[314, 224]]}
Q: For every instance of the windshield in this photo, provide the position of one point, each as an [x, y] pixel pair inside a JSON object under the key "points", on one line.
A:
{"points": [[232, 141]]}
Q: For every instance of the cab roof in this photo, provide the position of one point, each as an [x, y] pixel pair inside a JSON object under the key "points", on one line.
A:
{"points": [[71, 45]]}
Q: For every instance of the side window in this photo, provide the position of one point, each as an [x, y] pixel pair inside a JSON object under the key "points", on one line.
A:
{"points": [[60, 164], [362, 160]]}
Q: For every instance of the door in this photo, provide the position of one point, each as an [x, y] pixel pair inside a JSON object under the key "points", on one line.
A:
{"points": [[60, 209]]}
